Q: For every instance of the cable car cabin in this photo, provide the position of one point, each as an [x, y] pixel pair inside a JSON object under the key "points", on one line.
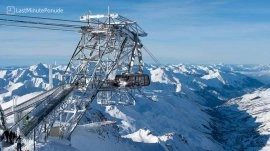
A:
{"points": [[131, 80]]}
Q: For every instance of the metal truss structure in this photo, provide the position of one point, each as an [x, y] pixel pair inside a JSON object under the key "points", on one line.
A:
{"points": [[107, 64], [106, 49]]}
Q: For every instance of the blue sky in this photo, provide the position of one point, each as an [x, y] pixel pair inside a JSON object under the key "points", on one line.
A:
{"points": [[179, 31]]}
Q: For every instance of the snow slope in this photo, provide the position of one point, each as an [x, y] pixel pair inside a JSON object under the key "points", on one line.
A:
{"points": [[20, 81], [182, 113], [253, 110]]}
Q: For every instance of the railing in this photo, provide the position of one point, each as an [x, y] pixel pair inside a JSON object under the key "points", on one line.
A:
{"points": [[45, 108], [2, 120], [41, 109], [31, 102]]}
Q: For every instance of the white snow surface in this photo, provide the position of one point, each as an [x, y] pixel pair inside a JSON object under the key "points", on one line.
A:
{"points": [[158, 75], [20, 100], [3, 73], [24, 80], [212, 75], [177, 119], [257, 105]]}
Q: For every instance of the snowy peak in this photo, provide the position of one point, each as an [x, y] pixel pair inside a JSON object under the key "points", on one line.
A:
{"points": [[40, 69], [163, 76], [159, 75], [209, 80], [214, 74], [19, 81], [144, 136], [3, 74]]}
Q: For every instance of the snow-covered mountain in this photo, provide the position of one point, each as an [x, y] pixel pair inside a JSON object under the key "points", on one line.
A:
{"points": [[188, 109], [246, 122], [20, 81]]}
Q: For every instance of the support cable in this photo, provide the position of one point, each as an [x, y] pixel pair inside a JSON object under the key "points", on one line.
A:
{"points": [[93, 21], [151, 55], [44, 18], [36, 27], [41, 23]]}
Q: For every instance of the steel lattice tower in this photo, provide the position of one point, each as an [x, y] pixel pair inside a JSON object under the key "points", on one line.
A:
{"points": [[108, 47], [107, 65]]}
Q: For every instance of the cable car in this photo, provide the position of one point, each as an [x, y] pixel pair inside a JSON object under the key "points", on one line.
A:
{"points": [[131, 80]]}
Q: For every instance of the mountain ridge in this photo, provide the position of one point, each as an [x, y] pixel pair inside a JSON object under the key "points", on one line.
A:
{"points": [[182, 113]]}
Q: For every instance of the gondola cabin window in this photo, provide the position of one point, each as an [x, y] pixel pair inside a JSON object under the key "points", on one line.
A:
{"points": [[132, 80]]}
